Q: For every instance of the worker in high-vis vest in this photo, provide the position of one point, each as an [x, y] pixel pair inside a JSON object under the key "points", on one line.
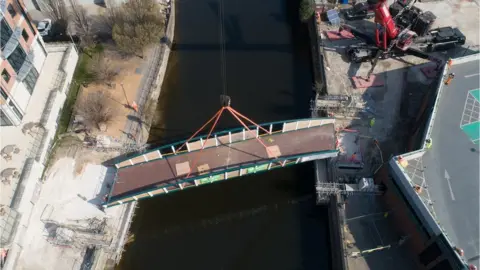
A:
{"points": [[428, 143], [449, 78]]}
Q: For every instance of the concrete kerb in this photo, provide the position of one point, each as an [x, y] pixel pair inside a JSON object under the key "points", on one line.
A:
{"points": [[152, 88], [166, 55], [129, 212]]}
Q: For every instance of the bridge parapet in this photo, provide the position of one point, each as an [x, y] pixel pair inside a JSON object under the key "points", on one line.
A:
{"points": [[223, 137]]}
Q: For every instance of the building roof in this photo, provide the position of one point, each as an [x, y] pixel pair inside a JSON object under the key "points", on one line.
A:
{"points": [[448, 171]]}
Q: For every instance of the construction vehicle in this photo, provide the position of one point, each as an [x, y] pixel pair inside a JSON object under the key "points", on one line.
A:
{"points": [[412, 36], [359, 11]]}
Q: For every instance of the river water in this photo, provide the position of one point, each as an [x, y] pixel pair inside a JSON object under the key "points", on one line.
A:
{"points": [[265, 221]]}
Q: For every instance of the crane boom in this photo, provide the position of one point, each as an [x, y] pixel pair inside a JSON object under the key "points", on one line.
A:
{"points": [[384, 18]]}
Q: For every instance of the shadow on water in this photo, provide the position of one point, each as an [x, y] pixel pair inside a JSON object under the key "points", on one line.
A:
{"points": [[263, 221]]}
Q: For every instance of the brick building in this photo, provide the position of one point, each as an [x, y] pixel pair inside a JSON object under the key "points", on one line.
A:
{"points": [[33, 88], [23, 55]]}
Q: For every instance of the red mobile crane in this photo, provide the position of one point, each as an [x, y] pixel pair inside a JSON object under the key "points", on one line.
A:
{"points": [[391, 39]]}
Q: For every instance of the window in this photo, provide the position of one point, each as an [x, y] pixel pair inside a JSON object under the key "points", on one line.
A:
{"points": [[17, 58], [6, 77], [5, 33], [25, 35], [11, 10], [15, 110], [4, 121], [31, 79], [3, 93]]}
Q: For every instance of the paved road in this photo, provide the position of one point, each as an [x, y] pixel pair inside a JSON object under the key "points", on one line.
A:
{"points": [[452, 172]]}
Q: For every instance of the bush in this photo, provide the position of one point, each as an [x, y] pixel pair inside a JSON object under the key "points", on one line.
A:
{"points": [[306, 10]]}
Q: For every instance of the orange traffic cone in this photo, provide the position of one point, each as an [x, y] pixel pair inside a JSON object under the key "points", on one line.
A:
{"points": [[134, 106]]}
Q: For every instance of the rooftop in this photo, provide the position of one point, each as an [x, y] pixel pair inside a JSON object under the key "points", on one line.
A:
{"points": [[447, 173]]}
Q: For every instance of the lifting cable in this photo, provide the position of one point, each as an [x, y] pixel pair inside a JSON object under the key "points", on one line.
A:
{"points": [[223, 57], [226, 100]]}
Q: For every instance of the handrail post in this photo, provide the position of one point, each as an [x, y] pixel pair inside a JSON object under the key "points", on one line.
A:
{"points": [[230, 137], [173, 149]]}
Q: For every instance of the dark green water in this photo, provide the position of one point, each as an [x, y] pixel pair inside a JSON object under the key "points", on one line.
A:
{"points": [[265, 221]]}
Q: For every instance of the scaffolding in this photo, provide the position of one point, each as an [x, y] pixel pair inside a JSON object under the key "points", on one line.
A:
{"points": [[72, 226], [338, 106], [362, 187], [97, 235]]}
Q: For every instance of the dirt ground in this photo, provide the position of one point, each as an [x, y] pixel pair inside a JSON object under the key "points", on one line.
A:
{"points": [[123, 90]]}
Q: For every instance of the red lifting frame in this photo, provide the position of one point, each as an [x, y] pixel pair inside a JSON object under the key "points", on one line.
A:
{"points": [[216, 117]]}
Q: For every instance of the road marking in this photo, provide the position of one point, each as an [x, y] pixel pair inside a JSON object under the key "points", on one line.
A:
{"points": [[447, 176], [471, 75]]}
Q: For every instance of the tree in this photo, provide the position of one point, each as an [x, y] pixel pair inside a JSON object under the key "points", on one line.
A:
{"points": [[104, 71], [55, 9], [306, 10], [96, 109], [111, 15], [82, 24], [140, 25]]}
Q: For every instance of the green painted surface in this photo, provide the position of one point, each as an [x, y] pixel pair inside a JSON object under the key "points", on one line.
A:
{"points": [[472, 130], [257, 168], [209, 179], [476, 94]]}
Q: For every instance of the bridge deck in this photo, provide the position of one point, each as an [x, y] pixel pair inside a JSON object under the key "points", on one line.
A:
{"points": [[169, 170]]}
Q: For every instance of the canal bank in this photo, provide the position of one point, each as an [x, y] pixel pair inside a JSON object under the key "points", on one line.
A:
{"points": [[147, 98], [271, 218]]}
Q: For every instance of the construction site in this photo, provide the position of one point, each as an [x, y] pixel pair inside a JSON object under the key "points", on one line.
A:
{"points": [[379, 66], [377, 137]]}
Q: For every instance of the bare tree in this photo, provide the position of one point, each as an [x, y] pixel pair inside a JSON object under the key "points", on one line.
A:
{"points": [[96, 109], [104, 71], [82, 23], [112, 14], [55, 9], [141, 24]]}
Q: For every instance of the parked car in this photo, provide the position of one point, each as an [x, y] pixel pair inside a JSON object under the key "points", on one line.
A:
{"points": [[359, 11], [44, 27]]}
